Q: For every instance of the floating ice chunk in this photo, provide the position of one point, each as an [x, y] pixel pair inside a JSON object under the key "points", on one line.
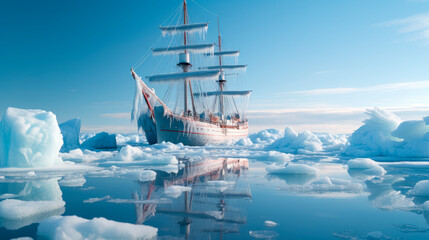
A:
{"points": [[366, 166], [29, 138], [73, 227], [93, 200], [129, 153], [293, 168], [72, 181], [22, 238], [263, 234], [270, 224], [14, 209], [101, 140], [274, 157], [421, 189], [133, 154], [175, 191], [131, 139], [147, 176], [70, 131]]}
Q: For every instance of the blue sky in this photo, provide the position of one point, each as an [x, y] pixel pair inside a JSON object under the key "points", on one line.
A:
{"points": [[313, 65]]}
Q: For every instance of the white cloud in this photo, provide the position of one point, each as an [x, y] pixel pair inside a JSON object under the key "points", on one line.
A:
{"points": [[415, 27], [376, 88]]}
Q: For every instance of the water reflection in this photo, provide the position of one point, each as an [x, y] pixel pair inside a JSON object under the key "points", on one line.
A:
{"points": [[37, 193], [207, 199]]}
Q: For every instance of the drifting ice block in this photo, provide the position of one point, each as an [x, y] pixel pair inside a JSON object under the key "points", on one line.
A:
{"points": [[29, 138]]}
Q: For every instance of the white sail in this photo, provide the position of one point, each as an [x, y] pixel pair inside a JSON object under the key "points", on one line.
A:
{"points": [[225, 93], [227, 67], [200, 75], [194, 48], [200, 28], [225, 54]]}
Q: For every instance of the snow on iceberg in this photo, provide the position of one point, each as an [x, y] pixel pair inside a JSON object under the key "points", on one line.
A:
{"points": [[374, 138], [307, 142], [70, 131], [29, 138], [292, 168], [383, 134], [73, 227], [421, 189], [266, 136], [101, 140]]}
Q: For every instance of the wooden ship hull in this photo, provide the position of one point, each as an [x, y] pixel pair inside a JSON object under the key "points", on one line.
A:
{"points": [[186, 130]]}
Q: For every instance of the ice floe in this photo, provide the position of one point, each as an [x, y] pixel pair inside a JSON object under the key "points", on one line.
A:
{"points": [[29, 138], [292, 168], [421, 189], [364, 166], [73, 227], [269, 223], [14, 209]]}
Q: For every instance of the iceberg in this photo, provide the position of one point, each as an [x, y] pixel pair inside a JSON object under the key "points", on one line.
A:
{"points": [[29, 138], [374, 138], [75, 228], [101, 140], [70, 131]]}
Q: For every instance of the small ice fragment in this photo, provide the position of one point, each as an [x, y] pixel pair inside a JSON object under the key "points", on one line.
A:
{"points": [[93, 200], [270, 223], [263, 234], [31, 174]]}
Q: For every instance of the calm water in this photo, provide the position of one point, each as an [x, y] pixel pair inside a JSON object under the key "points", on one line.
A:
{"points": [[232, 198]]}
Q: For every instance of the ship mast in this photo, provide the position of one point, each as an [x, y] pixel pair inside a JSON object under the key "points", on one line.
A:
{"points": [[221, 76], [185, 65]]}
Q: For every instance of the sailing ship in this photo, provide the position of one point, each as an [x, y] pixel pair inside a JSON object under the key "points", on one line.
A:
{"points": [[203, 116]]}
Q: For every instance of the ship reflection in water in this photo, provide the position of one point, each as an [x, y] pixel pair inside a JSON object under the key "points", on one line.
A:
{"points": [[206, 195]]}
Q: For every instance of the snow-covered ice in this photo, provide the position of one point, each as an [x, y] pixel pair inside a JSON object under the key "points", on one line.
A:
{"points": [[29, 138], [14, 209], [75, 228]]}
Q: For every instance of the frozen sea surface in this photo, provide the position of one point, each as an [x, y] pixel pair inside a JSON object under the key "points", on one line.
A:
{"points": [[217, 192]]}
